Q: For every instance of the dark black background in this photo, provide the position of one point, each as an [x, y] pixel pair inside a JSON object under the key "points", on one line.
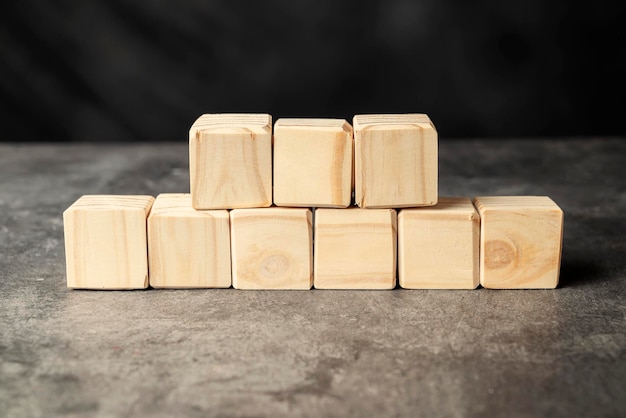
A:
{"points": [[120, 70]]}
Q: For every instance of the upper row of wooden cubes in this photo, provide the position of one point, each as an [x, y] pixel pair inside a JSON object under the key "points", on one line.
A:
{"points": [[389, 160]]}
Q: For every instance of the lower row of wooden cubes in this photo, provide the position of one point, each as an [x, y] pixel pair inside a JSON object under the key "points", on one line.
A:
{"points": [[518, 245]]}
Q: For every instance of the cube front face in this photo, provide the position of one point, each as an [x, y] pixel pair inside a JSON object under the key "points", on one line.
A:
{"points": [[355, 249], [438, 247], [396, 161], [271, 248], [106, 242], [188, 248], [230, 161], [521, 240], [313, 162]]}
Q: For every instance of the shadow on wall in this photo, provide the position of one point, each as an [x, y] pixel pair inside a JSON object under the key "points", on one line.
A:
{"points": [[125, 71]]}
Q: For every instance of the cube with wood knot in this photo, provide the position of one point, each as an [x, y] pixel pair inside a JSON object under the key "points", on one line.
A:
{"points": [[271, 248], [520, 242]]}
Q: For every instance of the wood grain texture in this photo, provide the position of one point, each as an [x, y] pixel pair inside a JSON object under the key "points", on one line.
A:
{"points": [[230, 161], [521, 241], [106, 243], [271, 248], [187, 248], [313, 162], [355, 249], [438, 246], [396, 161]]}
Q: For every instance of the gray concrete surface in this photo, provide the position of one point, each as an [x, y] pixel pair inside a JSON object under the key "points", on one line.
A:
{"points": [[312, 353]]}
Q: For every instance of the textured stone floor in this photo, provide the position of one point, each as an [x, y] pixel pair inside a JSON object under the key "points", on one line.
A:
{"points": [[236, 353]]}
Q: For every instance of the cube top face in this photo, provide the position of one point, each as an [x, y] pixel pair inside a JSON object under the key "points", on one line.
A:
{"points": [[447, 206], [396, 161], [179, 205], [188, 248], [112, 202], [106, 243], [438, 247], [230, 161], [397, 121], [317, 124], [355, 248], [505, 203], [271, 248], [258, 123], [313, 162], [373, 218], [521, 240]]}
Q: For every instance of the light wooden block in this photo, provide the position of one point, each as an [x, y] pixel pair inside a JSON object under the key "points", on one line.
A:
{"points": [[105, 242], [187, 248], [438, 246], [313, 162], [230, 161], [396, 161], [271, 248], [355, 249], [521, 239]]}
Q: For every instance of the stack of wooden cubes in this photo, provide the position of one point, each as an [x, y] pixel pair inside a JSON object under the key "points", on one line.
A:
{"points": [[308, 203]]}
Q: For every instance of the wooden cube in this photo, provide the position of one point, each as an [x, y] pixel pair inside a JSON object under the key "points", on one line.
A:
{"points": [[271, 248], [355, 249], [187, 248], [438, 246], [230, 161], [520, 244], [396, 161], [312, 162], [105, 242]]}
